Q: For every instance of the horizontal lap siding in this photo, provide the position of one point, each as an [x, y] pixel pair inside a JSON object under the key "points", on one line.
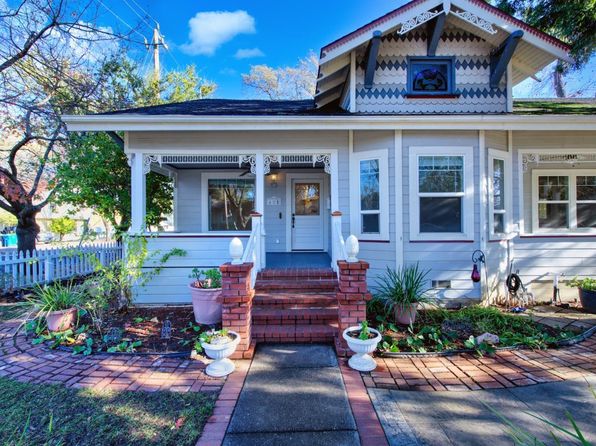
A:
{"points": [[380, 255], [445, 260], [188, 201], [537, 257]]}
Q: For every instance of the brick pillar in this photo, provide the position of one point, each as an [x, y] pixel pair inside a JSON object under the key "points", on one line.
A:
{"points": [[351, 298], [237, 296]]}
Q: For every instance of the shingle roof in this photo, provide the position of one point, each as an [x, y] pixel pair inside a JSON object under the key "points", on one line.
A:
{"points": [[220, 107]]}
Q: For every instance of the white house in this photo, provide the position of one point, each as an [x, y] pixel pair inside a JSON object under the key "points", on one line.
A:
{"points": [[413, 137]]}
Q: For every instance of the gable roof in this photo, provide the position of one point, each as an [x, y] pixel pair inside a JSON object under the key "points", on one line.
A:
{"points": [[536, 49]]}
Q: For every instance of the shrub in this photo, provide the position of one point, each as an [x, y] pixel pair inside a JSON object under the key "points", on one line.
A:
{"points": [[62, 226], [402, 288]]}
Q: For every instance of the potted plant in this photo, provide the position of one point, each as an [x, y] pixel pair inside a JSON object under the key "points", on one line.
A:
{"points": [[402, 291], [219, 345], [205, 291], [57, 303], [587, 292], [362, 340]]}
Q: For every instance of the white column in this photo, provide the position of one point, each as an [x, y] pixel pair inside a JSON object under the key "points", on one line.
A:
{"points": [[260, 200], [334, 181], [137, 193], [483, 208], [399, 198]]}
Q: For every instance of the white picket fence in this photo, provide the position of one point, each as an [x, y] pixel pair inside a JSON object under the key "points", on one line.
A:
{"points": [[20, 270]]}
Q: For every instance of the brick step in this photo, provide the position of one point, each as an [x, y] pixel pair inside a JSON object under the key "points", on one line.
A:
{"points": [[297, 273], [276, 300], [309, 285], [295, 333], [293, 316]]}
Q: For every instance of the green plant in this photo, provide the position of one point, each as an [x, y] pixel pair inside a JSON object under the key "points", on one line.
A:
{"points": [[53, 297], [364, 331], [208, 279], [125, 347], [482, 348], [402, 288], [62, 226], [586, 283]]}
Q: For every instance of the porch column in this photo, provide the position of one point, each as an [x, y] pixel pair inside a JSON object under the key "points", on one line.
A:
{"points": [[334, 180], [137, 193], [260, 202]]}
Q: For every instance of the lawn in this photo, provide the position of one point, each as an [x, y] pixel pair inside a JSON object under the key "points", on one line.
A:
{"points": [[34, 414]]}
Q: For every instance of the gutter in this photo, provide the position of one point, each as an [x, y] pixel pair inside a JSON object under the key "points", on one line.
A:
{"points": [[78, 123]]}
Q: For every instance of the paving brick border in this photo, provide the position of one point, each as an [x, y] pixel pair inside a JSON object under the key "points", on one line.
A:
{"points": [[465, 372]]}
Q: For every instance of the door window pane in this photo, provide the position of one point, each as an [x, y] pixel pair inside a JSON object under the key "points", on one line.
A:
{"points": [[498, 223], [586, 188], [440, 214], [307, 198], [369, 185], [553, 188], [553, 215], [498, 184], [441, 174], [586, 215], [370, 223], [230, 203]]}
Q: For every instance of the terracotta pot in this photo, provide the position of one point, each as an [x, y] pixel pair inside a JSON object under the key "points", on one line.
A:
{"points": [[206, 304], [406, 315], [61, 320], [588, 300]]}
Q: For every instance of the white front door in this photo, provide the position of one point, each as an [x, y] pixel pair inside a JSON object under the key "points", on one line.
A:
{"points": [[307, 215]]}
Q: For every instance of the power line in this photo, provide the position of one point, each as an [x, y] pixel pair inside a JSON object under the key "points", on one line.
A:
{"points": [[122, 20], [138, 15], [145, 12]]}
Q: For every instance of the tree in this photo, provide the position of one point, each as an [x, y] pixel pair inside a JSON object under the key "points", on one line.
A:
{"points": [[49, 54], [95, 172], [296, 82], [62, 226], [573, 21]]}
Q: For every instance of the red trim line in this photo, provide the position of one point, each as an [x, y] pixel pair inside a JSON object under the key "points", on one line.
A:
{"points": [[374, 241], [197, 236], [375, 23], [432, 96], [559, 236]]}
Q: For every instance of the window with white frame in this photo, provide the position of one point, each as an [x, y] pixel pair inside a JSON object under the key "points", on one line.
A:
{"points": [[370, 191], [441, 193], [499, 183], [564, 201], [228, 201]]}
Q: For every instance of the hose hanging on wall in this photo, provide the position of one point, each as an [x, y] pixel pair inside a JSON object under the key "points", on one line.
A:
{"points": [[513, 283]]}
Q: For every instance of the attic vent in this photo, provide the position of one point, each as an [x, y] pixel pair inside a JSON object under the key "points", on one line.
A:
{"points": [[441, 284]]}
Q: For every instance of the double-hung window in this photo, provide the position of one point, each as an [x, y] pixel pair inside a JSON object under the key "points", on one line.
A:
{"points": [[369, 187], [563, 201], [228, 202], [441, 193], [499, 184]]}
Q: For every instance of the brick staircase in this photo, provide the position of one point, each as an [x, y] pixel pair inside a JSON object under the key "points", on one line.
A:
{"points": [[295, 305]]}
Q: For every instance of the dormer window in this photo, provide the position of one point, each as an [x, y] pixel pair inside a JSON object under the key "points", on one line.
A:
{"points": [[431, 76]]}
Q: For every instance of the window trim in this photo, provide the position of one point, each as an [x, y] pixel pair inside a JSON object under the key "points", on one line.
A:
{"points": [[468, 194], [508, 196], [205, 177], [382, 155], [451, 90], [572, 174]]}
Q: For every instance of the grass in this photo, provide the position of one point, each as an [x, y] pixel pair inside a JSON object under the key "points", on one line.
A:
{"points": [[8, 311], [52, 415], [568, 107]]}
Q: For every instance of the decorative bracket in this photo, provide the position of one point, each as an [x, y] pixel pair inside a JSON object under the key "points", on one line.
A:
{"points": [[414, 22], [324, 158], [268, 160], [476, 21], [147, 160], [528, 158], [250, 159]]}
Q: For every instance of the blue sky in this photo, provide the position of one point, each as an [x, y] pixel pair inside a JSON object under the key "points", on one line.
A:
{"points": [[224, 38]]}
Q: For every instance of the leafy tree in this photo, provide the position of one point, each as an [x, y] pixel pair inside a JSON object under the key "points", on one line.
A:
{"points": [[573, 21], [62, 226], [49, 55], [96, 175], [296, 82], [7, 219]]}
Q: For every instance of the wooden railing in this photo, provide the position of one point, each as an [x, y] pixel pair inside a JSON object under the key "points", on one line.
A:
{"points": [[254, 252], [20, 270], [342, 249]]}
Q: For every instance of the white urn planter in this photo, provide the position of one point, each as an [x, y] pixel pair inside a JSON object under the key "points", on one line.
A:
{"points": [[220, 353], [362, 361]]}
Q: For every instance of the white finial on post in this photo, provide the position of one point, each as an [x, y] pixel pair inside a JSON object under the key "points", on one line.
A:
{"points": [[352, 249], [236, 251]]}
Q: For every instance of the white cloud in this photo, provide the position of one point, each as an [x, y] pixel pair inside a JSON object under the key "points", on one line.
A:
{"points": [[209, 30], [248, 53]]}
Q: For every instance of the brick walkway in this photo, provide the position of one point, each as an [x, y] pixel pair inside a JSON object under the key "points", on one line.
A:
{"points": [[467, 372]]}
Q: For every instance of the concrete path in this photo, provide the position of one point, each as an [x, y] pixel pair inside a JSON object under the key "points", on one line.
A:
{"points": [[461, 418], [293, 394]]}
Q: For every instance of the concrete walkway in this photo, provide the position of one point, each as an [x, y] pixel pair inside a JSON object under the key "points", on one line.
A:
{"points": [[293, 394], [461, 418]]}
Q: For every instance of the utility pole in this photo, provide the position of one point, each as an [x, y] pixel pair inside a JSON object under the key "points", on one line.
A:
{"points": [[156, 42]]}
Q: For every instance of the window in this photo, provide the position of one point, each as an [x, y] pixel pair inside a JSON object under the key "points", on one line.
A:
{"points": [[499, 173], [431, 76], [441, 198], [228, 202], [370, 206], [564, 201]]}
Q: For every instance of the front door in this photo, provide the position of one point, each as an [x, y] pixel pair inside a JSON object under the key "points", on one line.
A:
{"points": [[307, 215]]}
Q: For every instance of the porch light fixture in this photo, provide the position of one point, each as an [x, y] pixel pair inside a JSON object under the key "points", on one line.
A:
{"points": [[273, 180], [477, 257]]}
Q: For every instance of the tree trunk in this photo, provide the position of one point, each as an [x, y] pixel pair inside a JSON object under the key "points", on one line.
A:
{"points": [[27, 230], [558, 82]]}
